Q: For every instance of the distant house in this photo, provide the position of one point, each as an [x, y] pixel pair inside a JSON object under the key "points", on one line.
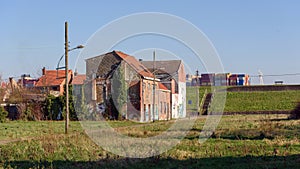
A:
{"points": [[53, 81], [171, 73], [27, 81], [11, 87], [146, 98], [5, 90], [78, 81], [18, 96]]}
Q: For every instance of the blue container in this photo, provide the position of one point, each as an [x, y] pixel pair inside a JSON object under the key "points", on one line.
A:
{"points": [[241, 82]]}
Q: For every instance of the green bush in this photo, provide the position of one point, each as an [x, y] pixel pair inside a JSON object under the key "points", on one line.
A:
{"points": [[55, 107], [3, 115]]}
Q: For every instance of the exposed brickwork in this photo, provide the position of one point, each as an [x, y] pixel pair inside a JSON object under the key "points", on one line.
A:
{"points": [[140, 105]]}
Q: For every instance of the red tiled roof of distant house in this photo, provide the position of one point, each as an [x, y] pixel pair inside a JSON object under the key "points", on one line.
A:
{"points": [[78, 79], [53, 78]]}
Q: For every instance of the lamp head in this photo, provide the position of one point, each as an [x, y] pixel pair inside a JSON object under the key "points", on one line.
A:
{"points": [[79, 47]]}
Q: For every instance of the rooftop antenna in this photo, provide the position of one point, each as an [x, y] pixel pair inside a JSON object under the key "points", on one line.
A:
{"points": [[260, 76]]}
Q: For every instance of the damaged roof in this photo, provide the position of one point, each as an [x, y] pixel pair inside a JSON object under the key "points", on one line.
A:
{"points": [[135, 64], [163, 66]]}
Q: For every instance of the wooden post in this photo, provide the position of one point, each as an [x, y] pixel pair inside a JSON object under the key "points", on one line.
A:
{"points": [[67, 79]]}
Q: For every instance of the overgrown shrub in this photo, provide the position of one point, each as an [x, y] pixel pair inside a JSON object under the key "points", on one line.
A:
{"points": [[55, 107], [3, 114], [28, 115], [30, 111], [295, 114]]}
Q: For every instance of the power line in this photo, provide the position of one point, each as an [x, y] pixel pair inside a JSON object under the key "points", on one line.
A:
{"points": [[273, 75]]}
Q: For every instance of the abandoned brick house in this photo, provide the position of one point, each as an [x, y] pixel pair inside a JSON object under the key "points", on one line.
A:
{"points": [[147, 98], [172, 75]]}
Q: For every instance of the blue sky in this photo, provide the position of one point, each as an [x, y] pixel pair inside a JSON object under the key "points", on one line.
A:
{"points": [[248, 35]]}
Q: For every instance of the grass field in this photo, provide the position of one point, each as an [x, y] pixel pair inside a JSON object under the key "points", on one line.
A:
{"points": [[240, 141], [250, 101], [261, 101]]}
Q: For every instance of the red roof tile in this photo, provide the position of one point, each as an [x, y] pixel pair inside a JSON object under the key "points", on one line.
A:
{"points": [[161, 86], [135, 64], [78, 79], [53, 78]]}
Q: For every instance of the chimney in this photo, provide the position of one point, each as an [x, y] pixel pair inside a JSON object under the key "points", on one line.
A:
{"points": [[10, 79], [44, 70], [75, 73], [11, 84]]}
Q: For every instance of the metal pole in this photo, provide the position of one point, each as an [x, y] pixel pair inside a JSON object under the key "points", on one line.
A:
{"points": [[66, 73]]}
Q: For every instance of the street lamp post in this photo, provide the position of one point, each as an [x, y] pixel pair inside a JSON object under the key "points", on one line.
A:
{"points": [[67, 79], [66, 73]]}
